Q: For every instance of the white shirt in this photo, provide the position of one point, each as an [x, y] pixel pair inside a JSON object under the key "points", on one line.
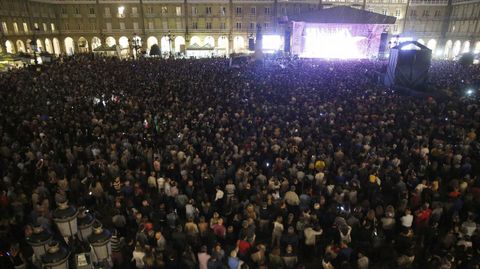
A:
{"points": [[310, 235], [407, 220]]}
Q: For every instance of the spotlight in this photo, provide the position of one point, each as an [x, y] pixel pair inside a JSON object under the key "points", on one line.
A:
{"points": [[469, 92]]}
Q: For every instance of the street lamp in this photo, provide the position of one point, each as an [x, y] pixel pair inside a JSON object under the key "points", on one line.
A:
{"points": [[39, 240], [136, 44], [33, 44], [56, 256], [85, 224], [65, 216], [170, 38], [100, 242]]}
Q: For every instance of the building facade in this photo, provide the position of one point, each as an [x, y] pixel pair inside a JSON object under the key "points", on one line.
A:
{"points": [[449, 27]]}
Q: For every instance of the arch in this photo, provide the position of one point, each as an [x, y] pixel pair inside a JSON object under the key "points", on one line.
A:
{"points": [[195, 40], [151, 40], [56, 46], [21, 46], [48, 46], [448, 48], [466, 46], [110, 41], [223, 42], [123, 42], [421, 41], [238, 43], [9, 47], [476, 49], [456, 48], [69, 46], [96, 42], [179, 41], [28, 45], [164, 44], [432, 44], [209, 40], [40, 45], [82, 44]]}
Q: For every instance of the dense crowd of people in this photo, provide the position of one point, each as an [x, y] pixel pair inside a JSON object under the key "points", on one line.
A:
{"points": [[292, 164]]}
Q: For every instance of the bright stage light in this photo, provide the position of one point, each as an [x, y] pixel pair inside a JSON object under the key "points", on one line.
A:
{"points": [[271, 42], [332, 43]]}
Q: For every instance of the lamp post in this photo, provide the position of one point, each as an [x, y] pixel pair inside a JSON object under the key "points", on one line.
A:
{"points": [[100, 242], [39, 240], [33, 44], [65, 216], [85, 223], [56, 256], [170, 38], [136, 44]]}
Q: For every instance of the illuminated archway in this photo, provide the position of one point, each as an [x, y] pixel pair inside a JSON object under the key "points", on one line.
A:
{"points": [[195, 40], [9, 47], [179, 42], [110, 41], [28, 46], [165, 44], [82, 44], [20, 46], [466, 47], [448, 48], [457, 46], [238, 43], [96, 42], [40, 45], [48, 46], [69, 46], [209, 40], [123, 42], [477, 47], [432, 44], [56, 46], [223, 44], [150, 42]]}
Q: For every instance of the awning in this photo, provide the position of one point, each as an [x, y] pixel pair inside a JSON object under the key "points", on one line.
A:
{"points": [[343, 15]]}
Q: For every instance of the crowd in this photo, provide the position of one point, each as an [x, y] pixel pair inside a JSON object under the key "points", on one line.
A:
{"points": [[192, 164]]}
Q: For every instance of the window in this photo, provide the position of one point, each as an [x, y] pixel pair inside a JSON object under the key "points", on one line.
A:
{"points": [[437, 13], [239, 26], [149, 10], [426, 13], [238, 11], [135, 25], [179, 24], [371, 10], [109, 26], [194, 11], [122, 26], [165, 25], [25, 27], [253, 10], [252, 26], [397, 13], [284, 10], [66, 26], [164, 10], [92, 11], [35, 26], [267, 11], [134, 11], [79, 27], [15, 27], [44, 27], [121, 11], [266, 25], [77, 10], [194, 25], [223, 11], [178, 11], [384, 11], [5, 27], [93, 26], [209, 25], [52, 27], [413, 13], [107, 11], [150, 25], [64, 10], [222, 26], [297, 10], [208, 10]]}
